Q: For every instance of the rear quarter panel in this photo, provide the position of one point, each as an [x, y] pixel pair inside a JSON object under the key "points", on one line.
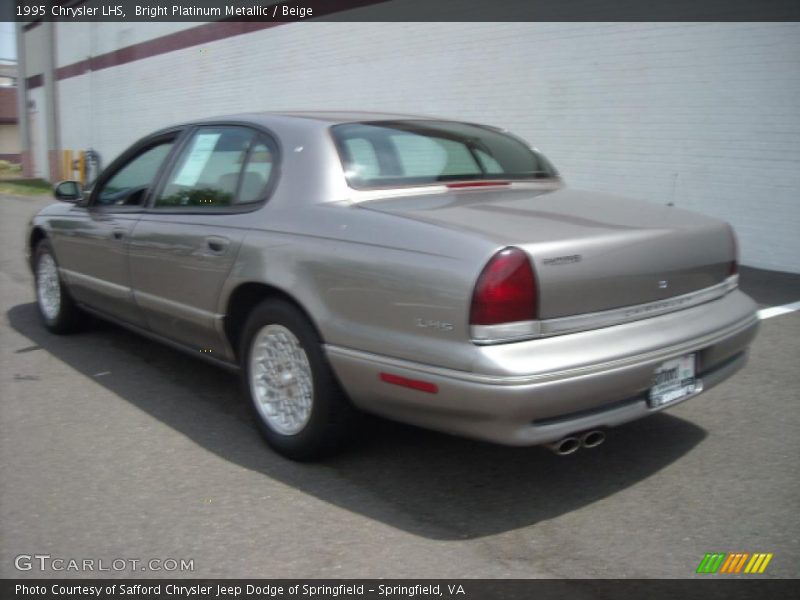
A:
{"points": [[369, 281]]}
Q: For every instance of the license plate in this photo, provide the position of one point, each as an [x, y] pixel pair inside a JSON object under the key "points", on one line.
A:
{"points": [[673, 379]]}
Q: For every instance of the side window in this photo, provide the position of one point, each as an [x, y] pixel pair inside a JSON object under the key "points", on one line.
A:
{"points": [[209, 169], [256, 172], [128, 186]]}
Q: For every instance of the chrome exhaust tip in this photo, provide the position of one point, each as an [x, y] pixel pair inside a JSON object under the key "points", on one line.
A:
{"points": [[592, 439], [564, 446]]}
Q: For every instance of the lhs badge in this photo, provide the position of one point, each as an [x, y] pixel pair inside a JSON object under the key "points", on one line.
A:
{"points": [[663, 284]]}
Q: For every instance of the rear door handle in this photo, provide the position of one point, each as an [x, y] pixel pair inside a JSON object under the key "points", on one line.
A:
{"points": [[217, 245]]}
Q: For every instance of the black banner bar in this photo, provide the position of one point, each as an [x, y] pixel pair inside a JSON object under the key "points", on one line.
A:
{"points": [[712, 588], [32, 11]]}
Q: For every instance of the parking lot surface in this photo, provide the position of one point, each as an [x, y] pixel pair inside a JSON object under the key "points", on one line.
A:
{"points": [[115, 447]]}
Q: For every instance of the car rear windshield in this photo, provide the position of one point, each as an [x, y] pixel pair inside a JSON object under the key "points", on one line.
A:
{"points": [[409, 152]]}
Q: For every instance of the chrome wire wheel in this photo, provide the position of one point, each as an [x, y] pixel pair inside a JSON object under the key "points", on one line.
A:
{"points": [[48, 287], [281, 382]]}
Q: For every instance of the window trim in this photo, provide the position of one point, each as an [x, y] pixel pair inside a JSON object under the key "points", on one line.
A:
{"points": [[175, 134], [270, 138]]}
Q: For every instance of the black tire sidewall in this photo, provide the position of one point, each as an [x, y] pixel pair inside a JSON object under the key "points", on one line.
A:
{"points": [[329, 407]]}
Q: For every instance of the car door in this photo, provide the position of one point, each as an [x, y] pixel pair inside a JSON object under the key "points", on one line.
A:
{"points": [[92, 244], [183, 248]]}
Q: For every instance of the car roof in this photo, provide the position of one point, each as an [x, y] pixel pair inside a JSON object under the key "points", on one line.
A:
{"points": [[329, 117], [309, 120], [346, 116]]}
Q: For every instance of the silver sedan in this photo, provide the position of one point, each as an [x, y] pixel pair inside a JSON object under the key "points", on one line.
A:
{"points": [[430, 271]]}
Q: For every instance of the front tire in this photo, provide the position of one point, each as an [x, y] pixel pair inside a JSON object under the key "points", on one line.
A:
{"points": [[300, 408], [57, 310]]}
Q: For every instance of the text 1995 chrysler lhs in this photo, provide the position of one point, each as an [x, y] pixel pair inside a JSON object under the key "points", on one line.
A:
{"points": [[430, 271]]}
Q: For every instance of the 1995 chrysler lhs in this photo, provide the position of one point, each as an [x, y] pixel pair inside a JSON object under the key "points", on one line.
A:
{"points": [[430, 271]]}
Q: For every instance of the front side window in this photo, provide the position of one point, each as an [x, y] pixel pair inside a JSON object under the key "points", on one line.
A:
{"points": [[129, 185], [220, 166], [398, 153]]}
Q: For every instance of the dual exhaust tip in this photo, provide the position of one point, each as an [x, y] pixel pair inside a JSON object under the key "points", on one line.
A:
{"points": [[573, 443]]}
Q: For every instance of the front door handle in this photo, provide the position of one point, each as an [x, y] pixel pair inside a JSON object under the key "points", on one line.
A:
{"points": [[118, 234], [217, 245]]}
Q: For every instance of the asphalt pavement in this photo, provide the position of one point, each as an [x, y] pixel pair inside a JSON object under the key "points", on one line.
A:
{"points": [[113, 447]]}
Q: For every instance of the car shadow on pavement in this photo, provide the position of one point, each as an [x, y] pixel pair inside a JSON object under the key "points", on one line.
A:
{"points": [[769, 288], [429, 484]]}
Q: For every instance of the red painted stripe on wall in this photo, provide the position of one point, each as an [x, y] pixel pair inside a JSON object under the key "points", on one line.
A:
{"points": [[202, 34], [34, 81]]}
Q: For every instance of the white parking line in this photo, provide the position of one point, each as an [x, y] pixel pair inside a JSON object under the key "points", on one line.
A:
{"points": [[776, 311]]}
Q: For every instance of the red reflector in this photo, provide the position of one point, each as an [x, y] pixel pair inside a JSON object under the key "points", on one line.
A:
{"points": [[505, 291], [468, 184], [414, 384]]}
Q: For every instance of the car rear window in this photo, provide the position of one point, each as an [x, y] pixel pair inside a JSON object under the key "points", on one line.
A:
{"points": [[417, 152]]}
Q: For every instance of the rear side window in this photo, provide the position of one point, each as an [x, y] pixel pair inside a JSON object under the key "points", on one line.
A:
{"points": [[218, 167], [257, 172], [413, 152]]}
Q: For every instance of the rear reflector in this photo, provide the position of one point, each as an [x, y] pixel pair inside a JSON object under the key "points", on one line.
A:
{"points": [[505, 291], [414, 384]]}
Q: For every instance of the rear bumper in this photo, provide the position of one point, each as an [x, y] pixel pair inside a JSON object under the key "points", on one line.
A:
{"points": [[539, 391]]}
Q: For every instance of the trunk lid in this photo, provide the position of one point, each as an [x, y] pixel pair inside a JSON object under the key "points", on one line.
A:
{"points": [[591, 252]]}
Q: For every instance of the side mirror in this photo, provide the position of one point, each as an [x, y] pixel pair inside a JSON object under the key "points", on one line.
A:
{"points": [[68, 191]]}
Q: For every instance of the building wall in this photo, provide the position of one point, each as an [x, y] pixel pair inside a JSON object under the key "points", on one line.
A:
{"points": [[9, 130], [9, 142], [698, 114], [79, 40]]}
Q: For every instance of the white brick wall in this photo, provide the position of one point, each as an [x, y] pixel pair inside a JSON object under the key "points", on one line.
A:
{"points": [[79, 40], [703, 115]]}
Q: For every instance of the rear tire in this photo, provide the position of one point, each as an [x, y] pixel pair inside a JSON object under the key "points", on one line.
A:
{"points": [[57, 309], [299, 406]]}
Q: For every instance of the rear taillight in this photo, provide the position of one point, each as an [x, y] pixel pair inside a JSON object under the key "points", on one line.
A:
{"points": [[732, 280], [505, 291]]}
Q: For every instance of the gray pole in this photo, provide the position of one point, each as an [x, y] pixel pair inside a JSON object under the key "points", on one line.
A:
{"points": [[22, 105], [51, 102]]}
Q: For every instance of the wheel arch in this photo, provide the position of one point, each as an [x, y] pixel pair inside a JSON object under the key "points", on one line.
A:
{"points": [[244, 298], [36, 235]]}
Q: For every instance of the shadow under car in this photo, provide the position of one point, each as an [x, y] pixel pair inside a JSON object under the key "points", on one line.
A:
{"points": [[426, 483]]}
